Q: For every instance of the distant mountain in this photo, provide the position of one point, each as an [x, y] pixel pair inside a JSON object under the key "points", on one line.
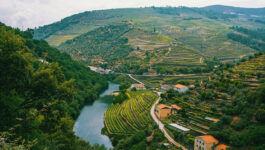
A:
{"points": [[259, 12]]}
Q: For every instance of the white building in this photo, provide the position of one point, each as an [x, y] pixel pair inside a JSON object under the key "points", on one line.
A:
{"points": [[165, 87], [180, 88], [43, 61], [138, 86], [100, 70], [178, 127]]}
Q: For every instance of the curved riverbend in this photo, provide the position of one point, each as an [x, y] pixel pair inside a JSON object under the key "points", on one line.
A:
{"points": [[91, 119]]}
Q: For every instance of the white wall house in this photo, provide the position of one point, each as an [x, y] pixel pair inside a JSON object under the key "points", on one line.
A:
{"points": [[180, 88], [165, 87], [138, 86]]}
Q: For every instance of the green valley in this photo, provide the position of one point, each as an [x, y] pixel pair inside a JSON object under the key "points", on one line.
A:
{"points": [[180, 78]]}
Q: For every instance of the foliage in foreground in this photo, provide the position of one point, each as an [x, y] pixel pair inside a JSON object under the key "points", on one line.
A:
{"points": [[40, 100]]}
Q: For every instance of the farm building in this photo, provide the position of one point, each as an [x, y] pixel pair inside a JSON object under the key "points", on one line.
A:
{"points": [[180, 88], [222, 147], [179, 128], [163, 111], [138, 86], [208, 142], [211, 119], [205, 142], [175, 108], [165, 87]]}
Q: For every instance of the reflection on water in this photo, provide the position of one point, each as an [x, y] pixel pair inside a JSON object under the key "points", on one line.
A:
{"points": [[91, 119]]}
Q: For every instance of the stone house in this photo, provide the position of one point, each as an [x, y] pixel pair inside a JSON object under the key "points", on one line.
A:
{"points": [[208, 142], [162, 111], [205, 142]]}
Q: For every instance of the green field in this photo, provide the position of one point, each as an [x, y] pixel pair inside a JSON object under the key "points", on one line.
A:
{"points": [[132, 115]]}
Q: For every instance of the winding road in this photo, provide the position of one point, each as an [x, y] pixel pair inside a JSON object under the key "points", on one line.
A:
{"points": [[158, 122], [162, 126]]}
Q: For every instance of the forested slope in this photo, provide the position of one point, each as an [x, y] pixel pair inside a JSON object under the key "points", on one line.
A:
{"points": [[103, 44], [42, 92]]}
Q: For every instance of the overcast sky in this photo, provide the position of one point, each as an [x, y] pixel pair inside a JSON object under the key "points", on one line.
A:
{"points": [[33, 13]]}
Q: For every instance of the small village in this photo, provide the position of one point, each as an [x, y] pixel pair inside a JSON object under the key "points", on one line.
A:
{"points": [[184, 111], [168, 113]]}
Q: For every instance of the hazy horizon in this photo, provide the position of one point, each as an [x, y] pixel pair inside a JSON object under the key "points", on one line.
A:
{"points": [[29, 14]]}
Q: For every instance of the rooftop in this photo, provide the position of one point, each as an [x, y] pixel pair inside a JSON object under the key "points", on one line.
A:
{"points": [[211, 119], [162, 106], [179, 86], [208, 139], [192, 86], [138, 85], [221, 147], [176, 107], [166, 86], [179, 127]]}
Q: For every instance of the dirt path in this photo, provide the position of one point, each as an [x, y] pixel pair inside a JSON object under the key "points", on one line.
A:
{"points": [[162, 126], [201, 60]]}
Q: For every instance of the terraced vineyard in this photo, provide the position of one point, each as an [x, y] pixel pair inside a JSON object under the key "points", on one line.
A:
{"points": [[251, 71], [132, 115], [252, 66], [149, 40], [182, 57], [155, 81]]}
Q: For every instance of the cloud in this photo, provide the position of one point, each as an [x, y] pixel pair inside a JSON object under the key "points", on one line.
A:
{"points": [[33, 13]]}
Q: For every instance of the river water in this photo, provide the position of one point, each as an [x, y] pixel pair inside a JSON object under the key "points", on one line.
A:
{"points": [[91, 119]]}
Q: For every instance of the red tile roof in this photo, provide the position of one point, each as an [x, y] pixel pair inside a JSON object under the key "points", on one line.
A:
{"points": [[165, 86], [221, 147], [176, 107], [162, 106], [208, 139], [191, 86], [179, 86]]}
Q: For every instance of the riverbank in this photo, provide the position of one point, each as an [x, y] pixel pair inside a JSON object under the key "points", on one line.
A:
{"points": [[91, 119]]}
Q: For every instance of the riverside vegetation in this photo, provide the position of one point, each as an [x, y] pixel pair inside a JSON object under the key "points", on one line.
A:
{"points": [[39, 99]]}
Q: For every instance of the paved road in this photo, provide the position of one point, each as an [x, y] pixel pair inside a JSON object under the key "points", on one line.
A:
{"points": [[158, 122], [135, 79], [162, 126]]}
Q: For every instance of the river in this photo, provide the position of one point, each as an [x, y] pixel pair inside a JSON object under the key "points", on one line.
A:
{"points": [[91, 119]]}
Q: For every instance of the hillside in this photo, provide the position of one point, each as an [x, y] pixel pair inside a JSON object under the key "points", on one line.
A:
{"points": [[103, 44], [151, 33], [42, 91], [233, 96]]}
